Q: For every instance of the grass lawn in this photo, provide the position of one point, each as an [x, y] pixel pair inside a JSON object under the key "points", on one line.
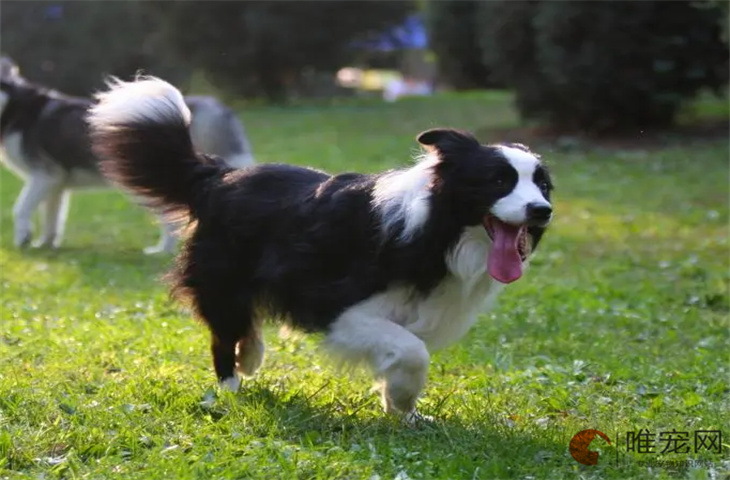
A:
{"points": [[619, 325]]}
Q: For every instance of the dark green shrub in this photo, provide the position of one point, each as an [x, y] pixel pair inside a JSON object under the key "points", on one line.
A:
{"points": [[453, 37], [604, 65], [72, 45], [266, 47]]}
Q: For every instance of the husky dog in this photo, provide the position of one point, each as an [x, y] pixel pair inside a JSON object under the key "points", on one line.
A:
{"points": [[45, 141]]}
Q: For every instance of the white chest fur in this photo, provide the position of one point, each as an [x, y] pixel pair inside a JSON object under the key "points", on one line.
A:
{"points": [[447, 313]]}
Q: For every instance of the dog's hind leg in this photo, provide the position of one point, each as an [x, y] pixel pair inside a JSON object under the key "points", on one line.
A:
{"points": [[168, 238], [36, 189], [398, 358], [229, 317], [223, 348], [250, 352], [55, 211]]}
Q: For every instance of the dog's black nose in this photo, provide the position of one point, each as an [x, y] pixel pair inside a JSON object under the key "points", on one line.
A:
{"points": [[539, 212]]}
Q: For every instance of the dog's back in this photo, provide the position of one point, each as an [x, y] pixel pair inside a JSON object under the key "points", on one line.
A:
{"points": [[48, 130], [216, 130], [62, 133]]}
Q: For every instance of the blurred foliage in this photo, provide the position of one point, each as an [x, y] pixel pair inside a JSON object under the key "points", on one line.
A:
{"points": [[71, 45], [723, 7], [248, 48], [454, 33], [265, 47], [604, 65]]}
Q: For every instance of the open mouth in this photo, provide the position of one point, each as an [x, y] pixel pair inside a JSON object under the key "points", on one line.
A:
{"points": [[510, 247]]}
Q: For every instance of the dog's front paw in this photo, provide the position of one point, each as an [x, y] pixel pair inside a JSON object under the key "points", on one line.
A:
{"points": [[46, 242], [22, 238], [230, 384], [415, 419]]}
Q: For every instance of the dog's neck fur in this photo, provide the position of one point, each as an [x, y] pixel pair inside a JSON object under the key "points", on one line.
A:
{"points": [[418, 221]]}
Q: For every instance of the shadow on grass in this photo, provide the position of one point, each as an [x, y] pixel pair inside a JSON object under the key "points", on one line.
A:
{"points": [[298, 419]]}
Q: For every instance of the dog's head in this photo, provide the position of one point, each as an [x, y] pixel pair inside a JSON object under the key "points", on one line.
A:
{"points": [[505, 188], [8, 68], [9, 79]]}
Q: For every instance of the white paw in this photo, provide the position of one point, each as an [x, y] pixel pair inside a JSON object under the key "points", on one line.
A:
{"points": [[231, 384], [46, 243], [415, 419], [22, 238]]}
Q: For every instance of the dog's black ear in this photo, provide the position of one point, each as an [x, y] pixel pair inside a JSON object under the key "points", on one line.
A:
{"points": [[445, 139]]}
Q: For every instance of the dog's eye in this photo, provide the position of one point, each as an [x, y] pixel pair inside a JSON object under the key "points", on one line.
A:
{"points": [[543, 186]]}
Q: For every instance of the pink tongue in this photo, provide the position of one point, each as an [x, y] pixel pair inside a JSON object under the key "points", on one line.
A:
{"points": [[504, 261]]}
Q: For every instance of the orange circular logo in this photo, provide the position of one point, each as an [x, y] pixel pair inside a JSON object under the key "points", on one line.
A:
{"points": [[579, 446]]}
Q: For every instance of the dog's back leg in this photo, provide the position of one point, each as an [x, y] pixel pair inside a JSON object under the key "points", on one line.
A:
{"points": [[36, 189], [250, 351], [55, 210], [236, 342], [168, 238]]}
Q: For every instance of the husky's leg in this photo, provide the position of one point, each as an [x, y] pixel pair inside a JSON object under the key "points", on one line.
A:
{"points": [[35, 190], [55, 212], [168, 238]]}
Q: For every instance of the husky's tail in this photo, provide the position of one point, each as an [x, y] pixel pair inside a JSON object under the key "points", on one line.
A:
{"points": [[140, 131]]}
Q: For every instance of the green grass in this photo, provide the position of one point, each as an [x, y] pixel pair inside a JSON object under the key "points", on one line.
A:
{"points": [[620, 324]]}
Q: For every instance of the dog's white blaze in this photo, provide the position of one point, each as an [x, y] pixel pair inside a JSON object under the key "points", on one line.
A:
{"points": [[512, 208], [404, 196], [148, 98]]}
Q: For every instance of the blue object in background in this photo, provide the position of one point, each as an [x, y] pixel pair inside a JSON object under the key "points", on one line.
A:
{"points": [[410, 34], [54, 12]]}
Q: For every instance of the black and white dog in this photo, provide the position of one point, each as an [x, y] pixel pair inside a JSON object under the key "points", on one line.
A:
{"points": [[45, 141], [388, 266]]}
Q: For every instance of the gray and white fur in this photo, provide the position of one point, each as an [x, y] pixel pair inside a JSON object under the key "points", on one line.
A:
{"points": [[44, 140]]}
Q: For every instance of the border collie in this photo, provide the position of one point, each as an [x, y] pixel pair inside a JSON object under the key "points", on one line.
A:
{"points": [[45, 142], [388, 266]]}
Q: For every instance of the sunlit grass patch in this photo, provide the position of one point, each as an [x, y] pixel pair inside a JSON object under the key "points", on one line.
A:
{"points": [[620, 324]]}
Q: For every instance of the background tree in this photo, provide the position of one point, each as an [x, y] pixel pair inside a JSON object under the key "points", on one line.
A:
{"points": [[70, 45], [265, 47], [453, 33], [604, 65]]}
